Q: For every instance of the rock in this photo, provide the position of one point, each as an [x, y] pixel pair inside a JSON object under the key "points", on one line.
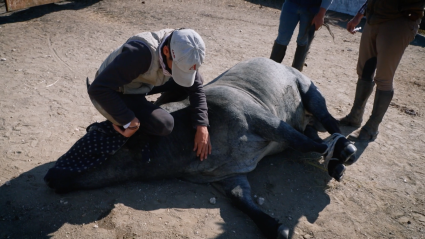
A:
{"points": [[403, 220], [419, 217], [3, 59], [213, 200]]}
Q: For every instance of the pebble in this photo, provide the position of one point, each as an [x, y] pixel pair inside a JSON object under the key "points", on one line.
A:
{"points": [[7, 183], [95, 226], [213, 200], [260, 201], [3, 59]]}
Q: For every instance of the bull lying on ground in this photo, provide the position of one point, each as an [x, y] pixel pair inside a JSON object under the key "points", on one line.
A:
{"points": [[256, 108]]}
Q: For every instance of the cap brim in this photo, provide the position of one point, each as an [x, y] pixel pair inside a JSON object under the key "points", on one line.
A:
{"points": [[185, 79]]}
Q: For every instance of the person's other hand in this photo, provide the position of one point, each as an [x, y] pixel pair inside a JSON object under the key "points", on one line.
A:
{"points": [[354, 22], [132, 128], [319, 19], [202, 142]]}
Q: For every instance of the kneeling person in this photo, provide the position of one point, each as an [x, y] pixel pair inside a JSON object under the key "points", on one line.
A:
{"points": [[149, 63]]}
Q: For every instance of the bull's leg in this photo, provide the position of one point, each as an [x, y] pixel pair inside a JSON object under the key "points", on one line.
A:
{"points": [[239, 190], [315, 103], [270, 127]]}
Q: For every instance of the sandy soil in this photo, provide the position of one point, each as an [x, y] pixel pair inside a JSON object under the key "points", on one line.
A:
{"points": [[47, 52]]}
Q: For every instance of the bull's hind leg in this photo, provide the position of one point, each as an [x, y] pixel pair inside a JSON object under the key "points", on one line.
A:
{"points": [[270, 127], [239, 190]]}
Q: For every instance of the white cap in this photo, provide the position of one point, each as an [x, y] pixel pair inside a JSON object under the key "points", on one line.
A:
{"points": [[188, 52]]}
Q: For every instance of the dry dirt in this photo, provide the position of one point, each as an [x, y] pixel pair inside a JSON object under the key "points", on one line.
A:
{"points": [[48, 51]]}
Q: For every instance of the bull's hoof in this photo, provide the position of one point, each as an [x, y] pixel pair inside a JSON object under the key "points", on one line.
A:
{"points": [[348, 152], [340, 148], [337, 172], [282, 232], [351, 160]]}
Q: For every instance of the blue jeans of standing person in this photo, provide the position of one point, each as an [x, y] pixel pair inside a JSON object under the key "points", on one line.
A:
{"points": [[290, 15]]}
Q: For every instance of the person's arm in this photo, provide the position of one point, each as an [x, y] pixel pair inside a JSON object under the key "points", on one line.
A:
{"points": [[319, 19], [356, 19], [199, 115], [134, 60]]}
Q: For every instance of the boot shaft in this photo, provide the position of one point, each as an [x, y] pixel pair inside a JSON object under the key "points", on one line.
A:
{"points": [[363, 91], [278, 52], [380, 106]]}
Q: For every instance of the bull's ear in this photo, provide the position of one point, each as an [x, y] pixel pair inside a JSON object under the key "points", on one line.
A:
{"points": [[88, 83]]}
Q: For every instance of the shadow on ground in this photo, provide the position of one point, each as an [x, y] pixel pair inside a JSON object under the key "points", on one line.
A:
{"points": [[39, 11], [290, 182]]}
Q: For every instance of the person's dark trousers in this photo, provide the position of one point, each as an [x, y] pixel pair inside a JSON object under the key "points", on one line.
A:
{"points": [[153, 119]]}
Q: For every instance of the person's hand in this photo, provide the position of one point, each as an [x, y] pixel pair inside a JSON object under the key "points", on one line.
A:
{"points": [[353, 23], [202, 142], [319, 19], [132, 128]]}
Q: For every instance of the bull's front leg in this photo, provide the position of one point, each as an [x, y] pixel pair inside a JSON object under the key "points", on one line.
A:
{"points": [[271, 128], [239, 190]]}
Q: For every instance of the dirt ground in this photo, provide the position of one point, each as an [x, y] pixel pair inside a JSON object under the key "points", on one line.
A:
{"points": [[47, 52]]}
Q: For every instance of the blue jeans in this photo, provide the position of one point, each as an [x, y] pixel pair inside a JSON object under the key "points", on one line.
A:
{"points": [[290, 15]]}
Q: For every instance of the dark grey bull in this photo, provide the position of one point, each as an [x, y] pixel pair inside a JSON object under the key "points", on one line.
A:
{"points": [[256, 108]]}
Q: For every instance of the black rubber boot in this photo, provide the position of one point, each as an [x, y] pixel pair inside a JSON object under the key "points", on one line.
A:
{"points": [[302, 51], [364, 89], [278, 52], [369, 131], [299, 57]]}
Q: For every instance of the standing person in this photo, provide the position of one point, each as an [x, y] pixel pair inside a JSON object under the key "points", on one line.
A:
{"points": [[311, 15], [153, 62], [390, 27]]}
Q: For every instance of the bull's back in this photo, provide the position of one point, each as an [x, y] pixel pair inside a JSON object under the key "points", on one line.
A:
{"points": [[251, 87], [266, 83]]}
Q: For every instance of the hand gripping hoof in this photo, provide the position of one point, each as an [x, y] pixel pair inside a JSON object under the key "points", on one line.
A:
{"points": [[282, 232]]}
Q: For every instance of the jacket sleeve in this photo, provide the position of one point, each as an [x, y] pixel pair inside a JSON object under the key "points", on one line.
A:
{"points": [[135, 59], [198, 102], [325, 4], [362, 9]]}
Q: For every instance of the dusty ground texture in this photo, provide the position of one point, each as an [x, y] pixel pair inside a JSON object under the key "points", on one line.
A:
{"points": [[48, 51]]}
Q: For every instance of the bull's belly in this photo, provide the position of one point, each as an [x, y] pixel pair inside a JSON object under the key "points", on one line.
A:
{"points": [[216, 167]]}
